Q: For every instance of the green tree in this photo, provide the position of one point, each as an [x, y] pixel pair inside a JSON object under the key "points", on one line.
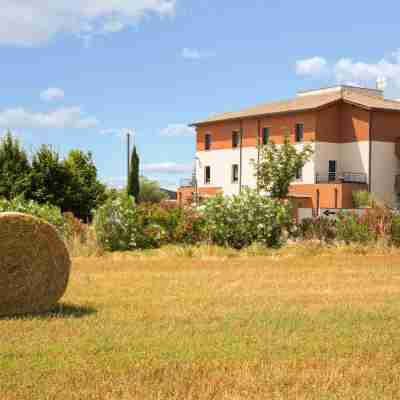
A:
{"points": [[279, 165], [14, 167], [86, 191], [133, 179], [50, 179], [150, 191]]}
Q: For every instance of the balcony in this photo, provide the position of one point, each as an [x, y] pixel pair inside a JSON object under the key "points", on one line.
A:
{"points": [[187, 183], [342, 177]]}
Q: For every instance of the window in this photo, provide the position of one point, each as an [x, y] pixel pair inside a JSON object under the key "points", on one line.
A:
{"points": [[265, 136], [299, 174], [235, 139], [235, 173], [207, 175], [299, 132], [332, 170], [207, 141]]}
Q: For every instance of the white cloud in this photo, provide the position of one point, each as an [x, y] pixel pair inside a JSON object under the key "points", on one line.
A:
{"points": [[33, 22], [51, 94], [167, 168], [196, 54], [346, 70], [314, 66], [66, 117], [118, 132], [178, 130]]}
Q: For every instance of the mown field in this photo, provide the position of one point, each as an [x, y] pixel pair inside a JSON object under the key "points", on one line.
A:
{"points": [[286, 325]]}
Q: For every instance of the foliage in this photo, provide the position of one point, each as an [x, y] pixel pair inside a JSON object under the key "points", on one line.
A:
{"points": [[278, 166], [395, 230], [86, 191], [150, 191], [373, 224], [49, 213], [362, 199], [121, 225], [133, 179], [14, 167], [320, 228], [353, 228], [241, 220], [50, 179], [116, 224]]}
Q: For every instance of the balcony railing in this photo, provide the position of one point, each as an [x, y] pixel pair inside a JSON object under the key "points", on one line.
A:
{"points": [[187, 182], [341, 177]]}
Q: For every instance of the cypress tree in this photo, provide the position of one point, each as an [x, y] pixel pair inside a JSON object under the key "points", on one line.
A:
{"points": [[133, 179]]}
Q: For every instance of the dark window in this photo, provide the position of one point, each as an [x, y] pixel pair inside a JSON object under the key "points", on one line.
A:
{"points": [[299, 174], [207, 141], [299, 132], [332, 170], [207, 175], [235, 139], [235, 173], [265, 136]]}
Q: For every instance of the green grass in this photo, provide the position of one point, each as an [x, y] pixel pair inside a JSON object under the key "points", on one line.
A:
{"points": [[323, 325]]}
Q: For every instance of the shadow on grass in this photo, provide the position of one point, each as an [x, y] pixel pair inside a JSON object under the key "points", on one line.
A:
{"points": [[60, 311]]}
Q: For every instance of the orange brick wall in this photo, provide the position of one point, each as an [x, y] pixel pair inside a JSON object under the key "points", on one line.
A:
{"points": [[332, 195], [354, 124], [385, 126], [280, 125]]}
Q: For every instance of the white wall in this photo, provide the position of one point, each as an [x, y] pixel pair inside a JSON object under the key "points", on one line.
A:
{"points": [[221, 162], [351, 157], [385, 167]]}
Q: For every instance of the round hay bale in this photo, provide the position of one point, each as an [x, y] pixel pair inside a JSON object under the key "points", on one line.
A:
{"points": [[34, 265]]}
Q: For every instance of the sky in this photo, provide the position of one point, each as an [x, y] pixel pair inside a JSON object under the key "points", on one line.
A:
{"points": [[81, 73]]}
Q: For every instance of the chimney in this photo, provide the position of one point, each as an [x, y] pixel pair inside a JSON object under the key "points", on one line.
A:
{"points": [[381, 83]]}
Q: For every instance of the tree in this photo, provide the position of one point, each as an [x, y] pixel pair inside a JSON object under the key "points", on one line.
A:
{"points": [[14, 167], [150, 191], [133, 179], [50, 179], [279, 165], [87, 192]]}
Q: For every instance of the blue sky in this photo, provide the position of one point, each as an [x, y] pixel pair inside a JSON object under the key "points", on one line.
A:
{"points": [[77, 73]]}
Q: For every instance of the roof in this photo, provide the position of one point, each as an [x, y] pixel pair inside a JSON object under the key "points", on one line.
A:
{"points": [[307, 103]]}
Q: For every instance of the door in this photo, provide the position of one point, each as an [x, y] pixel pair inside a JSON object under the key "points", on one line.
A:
{"points": [[332, 170]]}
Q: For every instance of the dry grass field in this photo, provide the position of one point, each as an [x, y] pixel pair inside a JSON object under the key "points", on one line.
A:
{"points": [[285, 325]]}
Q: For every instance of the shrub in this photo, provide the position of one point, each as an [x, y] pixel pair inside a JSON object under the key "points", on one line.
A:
{"points": [[121, 225], [353, 228], [362, 199], [241, 220], [49, 213], [321, 228], [395, 230]]}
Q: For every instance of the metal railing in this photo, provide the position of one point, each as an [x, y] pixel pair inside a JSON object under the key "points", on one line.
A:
{"points": [[187, 182], [341, 177]]}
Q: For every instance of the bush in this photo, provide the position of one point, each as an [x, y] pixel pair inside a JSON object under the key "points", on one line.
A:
{"points": [[362, 199], [321, 228], [353, 228], [46, 212], [241, 220], [395, 230], [120, 225]]}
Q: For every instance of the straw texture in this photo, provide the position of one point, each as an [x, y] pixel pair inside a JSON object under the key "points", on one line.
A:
{"points": [[34, 265]]}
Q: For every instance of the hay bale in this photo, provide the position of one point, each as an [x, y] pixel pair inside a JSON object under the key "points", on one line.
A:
{"points": [[34, 265]]}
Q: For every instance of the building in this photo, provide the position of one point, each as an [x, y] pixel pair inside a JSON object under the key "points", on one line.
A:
{"points": [[355, 133]]}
